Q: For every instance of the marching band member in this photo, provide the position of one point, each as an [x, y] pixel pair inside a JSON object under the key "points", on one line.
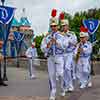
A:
{"points": [[68, 55], [84, 50], [52, 46]]}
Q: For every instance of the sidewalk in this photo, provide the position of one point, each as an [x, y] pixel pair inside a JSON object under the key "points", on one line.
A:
{"points": [[21, 88], [88, 93]]}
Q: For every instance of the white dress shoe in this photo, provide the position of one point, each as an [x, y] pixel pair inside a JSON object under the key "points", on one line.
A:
{"points": [[52, 95], [63, 93], [71, 89], [66, 89], [52, 98], [74, 77], [82, 86], [33, 77], [57, 79], [89, 84]]}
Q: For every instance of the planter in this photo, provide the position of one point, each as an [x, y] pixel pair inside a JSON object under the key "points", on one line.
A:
{"points": [[43, 64], [1, 57], [97, 59], [1, 43]]}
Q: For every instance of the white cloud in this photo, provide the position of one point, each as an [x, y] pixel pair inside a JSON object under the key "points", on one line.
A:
{"points": [[38, 11]]}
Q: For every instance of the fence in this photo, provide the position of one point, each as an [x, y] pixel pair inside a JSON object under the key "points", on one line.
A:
{"points": [[40, 64]]}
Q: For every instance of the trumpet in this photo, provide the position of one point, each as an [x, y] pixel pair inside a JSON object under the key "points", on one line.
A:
{"points": [[51, 41]]}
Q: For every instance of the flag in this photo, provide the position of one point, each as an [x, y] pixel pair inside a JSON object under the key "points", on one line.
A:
{"points": [[19, 38], [92, 25], [6, 16]]}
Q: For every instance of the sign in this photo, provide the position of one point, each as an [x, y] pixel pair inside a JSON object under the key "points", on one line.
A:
{"points": [[6, 14], [91, 24]]}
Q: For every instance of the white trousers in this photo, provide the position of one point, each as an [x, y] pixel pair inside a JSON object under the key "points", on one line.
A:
{"points": [[83, 70], [55, 69], [73, 69], [31, 68], [68, 59]]}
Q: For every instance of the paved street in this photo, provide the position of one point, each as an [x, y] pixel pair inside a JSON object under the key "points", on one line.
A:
{"points": [[21, 88], [21, 85]]}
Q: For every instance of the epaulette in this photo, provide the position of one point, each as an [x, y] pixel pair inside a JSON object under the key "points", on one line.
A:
{"points": [[62, 33], [73, 33], [47, 34], [58, 32]]}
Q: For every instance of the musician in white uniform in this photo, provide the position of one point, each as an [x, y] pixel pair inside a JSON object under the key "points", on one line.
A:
{"points": [[68, 55], [84, 48], [52, 46]]}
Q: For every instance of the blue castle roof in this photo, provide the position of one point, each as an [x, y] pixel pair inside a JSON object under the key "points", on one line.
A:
{"points": [[24, 21], [15, 22]]}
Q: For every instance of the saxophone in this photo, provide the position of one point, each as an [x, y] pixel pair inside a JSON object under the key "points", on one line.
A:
{"points": [[78, 53]]}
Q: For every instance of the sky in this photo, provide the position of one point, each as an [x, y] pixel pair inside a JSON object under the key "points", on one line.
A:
{"points": [[38, 11]]}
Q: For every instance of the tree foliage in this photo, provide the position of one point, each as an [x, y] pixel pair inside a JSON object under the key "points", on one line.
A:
{"points": [[38, 40]]}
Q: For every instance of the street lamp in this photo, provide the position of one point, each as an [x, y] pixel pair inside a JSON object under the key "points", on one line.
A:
{"points": [[4, 76]]}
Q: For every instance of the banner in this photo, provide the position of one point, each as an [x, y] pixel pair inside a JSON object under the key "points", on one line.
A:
{"points": [[18, 38], [6, 16], [91, 24]]}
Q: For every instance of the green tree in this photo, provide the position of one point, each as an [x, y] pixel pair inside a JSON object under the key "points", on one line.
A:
{"points": [[38, 40]]}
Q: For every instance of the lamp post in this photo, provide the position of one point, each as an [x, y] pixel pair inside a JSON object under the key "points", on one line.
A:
{"points": [[2, 1], [4, 75]]}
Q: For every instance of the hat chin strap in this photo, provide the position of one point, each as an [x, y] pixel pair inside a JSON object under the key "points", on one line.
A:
{"points": [[66, 31], [55, 30]]}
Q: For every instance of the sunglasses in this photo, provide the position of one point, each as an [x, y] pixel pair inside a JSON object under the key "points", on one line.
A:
{"points": [[53, 25], [64, 25], [82, 37]]}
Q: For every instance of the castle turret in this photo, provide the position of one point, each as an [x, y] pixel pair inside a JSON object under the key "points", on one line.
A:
{"points": [[25, 24]]}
